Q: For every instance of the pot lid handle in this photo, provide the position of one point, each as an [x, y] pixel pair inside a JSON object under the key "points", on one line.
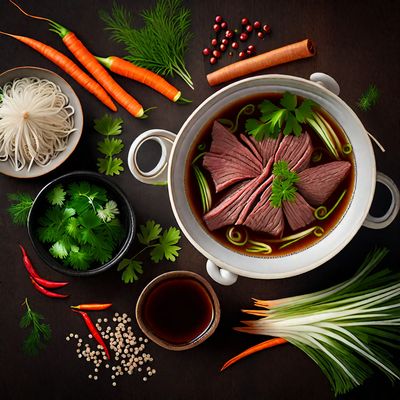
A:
{"points": [[326, 81], [220, 275], [159, 174]]}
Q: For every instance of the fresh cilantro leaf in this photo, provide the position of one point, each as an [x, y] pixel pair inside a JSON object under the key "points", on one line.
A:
{"points": [[20, 207], [115, 230], [108, 212], [166, 247], [149, 232], [108, 126], [289, 101], [110, 166], [79, 258], [304, 111], [132, 268], [292, 126], [56, 196], [283, 188], [110, 147], [102, 249], [72, 227], [267, 107], [59, 249], [52, 224]]}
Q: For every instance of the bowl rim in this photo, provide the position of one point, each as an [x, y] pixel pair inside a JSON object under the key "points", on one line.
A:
{"points": [[51, 261], [56, 162], [237, 267]]}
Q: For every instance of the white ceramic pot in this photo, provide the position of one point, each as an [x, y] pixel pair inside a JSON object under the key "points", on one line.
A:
{"points": [[224, 265]]}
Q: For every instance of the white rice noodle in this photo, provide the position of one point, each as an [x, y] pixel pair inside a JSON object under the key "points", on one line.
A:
{"points": [[35, 122]]}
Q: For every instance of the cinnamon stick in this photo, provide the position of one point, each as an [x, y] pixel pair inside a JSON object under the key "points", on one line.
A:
{"points": [[282, 55]]}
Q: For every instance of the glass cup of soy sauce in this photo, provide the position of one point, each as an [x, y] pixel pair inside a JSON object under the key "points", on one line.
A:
{"points": [[178, 310]]}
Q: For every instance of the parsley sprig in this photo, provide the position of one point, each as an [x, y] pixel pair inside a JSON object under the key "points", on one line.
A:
{"points": [[283, 188], [274, 119], [40, 332], [109, 147], [163, 245], [81, 226]]}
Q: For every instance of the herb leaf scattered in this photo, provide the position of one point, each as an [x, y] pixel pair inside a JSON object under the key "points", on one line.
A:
{"points": [[21, 204], [283, 188], [40, 333], [161, 44], [163, 245], [369, 98], [275, 119], [56, 196], [109, 126]]}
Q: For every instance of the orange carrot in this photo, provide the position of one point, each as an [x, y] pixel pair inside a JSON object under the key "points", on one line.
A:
{"points": [[258, 347], [142, 75], [285, 54], [88, 60], [68, 66]]}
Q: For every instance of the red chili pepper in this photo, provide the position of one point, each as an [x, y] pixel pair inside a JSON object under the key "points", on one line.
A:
{"points": [[92, 307], [46, 292], [93, 330], [32, 272]]}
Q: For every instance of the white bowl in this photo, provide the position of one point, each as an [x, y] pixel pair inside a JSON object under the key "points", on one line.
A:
{"points": [[24, 72]]}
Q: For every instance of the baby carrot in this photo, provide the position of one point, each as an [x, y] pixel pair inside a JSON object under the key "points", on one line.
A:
{"points": [[68, 66], [88, 60], [142, 75], [92, 307], [258, 347]]}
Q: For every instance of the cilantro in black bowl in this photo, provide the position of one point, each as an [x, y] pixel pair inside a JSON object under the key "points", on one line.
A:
{"points": [[81, 224]]}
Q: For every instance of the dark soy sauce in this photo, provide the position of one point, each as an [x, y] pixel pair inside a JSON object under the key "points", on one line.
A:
{"points": [[178, 310]]}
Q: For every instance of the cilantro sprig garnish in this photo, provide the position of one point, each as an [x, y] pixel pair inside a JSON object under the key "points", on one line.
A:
{"points": [[40, 332], [286, 118], [161, 243], [283, 185], [81, 225], [109, 147]]}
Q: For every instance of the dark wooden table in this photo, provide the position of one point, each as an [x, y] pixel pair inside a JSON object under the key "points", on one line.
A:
{"points": [[357, 44]]}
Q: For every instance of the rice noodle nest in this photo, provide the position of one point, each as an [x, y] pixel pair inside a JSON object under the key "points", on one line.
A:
{"points": [[36, 120]]}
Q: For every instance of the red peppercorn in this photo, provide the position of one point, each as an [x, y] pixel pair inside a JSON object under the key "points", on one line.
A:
{"points": [[266, 28], [249, 53], [222, 47], [224, 41], [243, 36], [213, 60], [257, 24], [245, 21], [206, 51], [218, 19], [214, 42], [251, 48], [224, 25], [260, 34], [217, 27], [229, 34], [216, 53], [249, 28], [235, 45], [242, 54]]}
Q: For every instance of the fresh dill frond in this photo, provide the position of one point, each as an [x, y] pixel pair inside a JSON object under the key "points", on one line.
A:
{"points": [[21, 203], [369, 98], [161, 44]]}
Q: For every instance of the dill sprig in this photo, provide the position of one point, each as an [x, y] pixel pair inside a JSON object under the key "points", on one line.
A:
{"points": [[369, 98], [39, 334], [21, 204], [161, 44]]}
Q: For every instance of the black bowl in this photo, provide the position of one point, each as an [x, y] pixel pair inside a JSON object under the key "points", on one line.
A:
{"points": [[126, 216]]}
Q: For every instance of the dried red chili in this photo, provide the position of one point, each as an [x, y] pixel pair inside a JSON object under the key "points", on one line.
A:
{"points": [[32, 272], [46, 292], [93, 330], [92, 307]]}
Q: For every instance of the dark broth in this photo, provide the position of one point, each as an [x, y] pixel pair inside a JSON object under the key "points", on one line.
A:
{"points": [[178, 310], [193, 195]]}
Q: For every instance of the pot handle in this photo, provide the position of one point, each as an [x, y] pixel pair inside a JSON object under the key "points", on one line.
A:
{"points": [[220, 275], [326, 81], [159, 174], [386, 219]]}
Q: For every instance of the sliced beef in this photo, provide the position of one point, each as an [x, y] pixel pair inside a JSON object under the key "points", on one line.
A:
{"points": [[266, 218], [246, 139], [227, 211], [267, 147], [229, 160], [318, 183], [296, 151], [298, 213]]}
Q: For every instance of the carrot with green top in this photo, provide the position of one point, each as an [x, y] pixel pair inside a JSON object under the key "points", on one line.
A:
{"points": [[67, 66], [88, 60]]}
